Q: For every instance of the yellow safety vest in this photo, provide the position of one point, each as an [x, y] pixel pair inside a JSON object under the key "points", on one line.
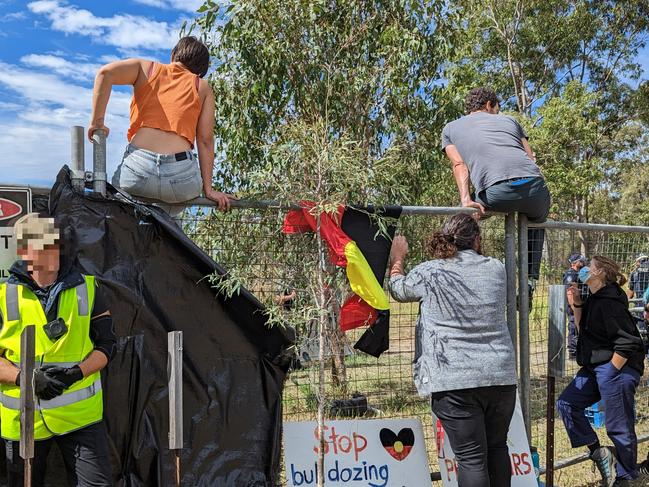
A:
{"points": [[81, 404]]}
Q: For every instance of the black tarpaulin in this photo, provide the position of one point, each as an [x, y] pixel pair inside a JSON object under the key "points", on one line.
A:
{"points": [[234, 368]]}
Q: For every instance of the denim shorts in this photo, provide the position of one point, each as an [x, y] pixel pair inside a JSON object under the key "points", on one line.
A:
{"points": [[158, 176]]}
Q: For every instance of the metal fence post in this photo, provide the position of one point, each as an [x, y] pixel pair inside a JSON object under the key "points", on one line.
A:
{"points": [[78, 175], [523, 322], [510, 267], [99, 162], [557, 307], [27, 360], [557, 303], [175, 369]]}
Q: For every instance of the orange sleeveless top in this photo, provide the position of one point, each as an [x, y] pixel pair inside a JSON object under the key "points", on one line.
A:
{"points": [[168, 101]]}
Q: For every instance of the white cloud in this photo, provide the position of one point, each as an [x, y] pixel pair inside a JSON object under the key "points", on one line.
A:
{"points": [[35, 124], [61, 66], [184, 5], [13, 16], [122, 30]]}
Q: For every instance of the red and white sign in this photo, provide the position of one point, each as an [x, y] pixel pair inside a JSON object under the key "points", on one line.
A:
{"points": [[523, 474], [9, 209], [14, 203]]}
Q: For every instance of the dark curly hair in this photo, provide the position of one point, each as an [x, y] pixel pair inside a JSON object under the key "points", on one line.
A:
{"points": [[460, 232], [193, 54], [477, 98]]}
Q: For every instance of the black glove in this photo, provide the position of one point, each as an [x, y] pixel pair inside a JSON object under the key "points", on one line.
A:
{"points": [[46, 386], [66, 375]]}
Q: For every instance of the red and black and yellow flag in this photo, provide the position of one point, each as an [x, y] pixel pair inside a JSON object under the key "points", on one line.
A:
{"points": [[355, 244]]}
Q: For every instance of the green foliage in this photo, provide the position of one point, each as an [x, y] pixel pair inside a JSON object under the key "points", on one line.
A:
{"points": [[565, 146], [634, 194], [368, 70]]}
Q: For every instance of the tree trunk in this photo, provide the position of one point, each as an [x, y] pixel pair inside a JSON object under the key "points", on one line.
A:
{"points": [[322, 321], [336, 340], [582, 217]]}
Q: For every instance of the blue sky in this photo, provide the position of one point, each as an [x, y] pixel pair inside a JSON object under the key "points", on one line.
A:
{"points": [[49, 53]]}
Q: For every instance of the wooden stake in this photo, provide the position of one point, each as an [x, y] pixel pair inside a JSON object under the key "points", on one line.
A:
{"points": [[27, 359]]}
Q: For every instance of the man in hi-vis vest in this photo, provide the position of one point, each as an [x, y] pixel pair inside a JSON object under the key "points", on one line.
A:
{"points": [[74, 341]]}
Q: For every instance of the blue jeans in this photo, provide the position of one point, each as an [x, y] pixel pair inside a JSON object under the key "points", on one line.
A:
{"points": [[616, 389], [531, 198], [159, 176]]}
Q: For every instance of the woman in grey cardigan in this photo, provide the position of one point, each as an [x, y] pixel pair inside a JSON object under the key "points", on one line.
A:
{"points": [[464, 357]]}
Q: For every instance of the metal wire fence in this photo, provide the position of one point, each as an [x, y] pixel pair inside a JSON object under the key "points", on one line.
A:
{"points": [[272, 265]]}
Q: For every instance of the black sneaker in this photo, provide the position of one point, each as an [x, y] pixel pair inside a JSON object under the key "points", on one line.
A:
{"points": [[643, 473], [639, 482], [605, 462]]}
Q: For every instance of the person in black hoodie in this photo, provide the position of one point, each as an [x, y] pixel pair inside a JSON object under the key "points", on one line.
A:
{"points": [[610, 353]]}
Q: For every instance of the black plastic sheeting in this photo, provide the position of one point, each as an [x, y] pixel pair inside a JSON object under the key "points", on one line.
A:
{"points": [[234, 367]]}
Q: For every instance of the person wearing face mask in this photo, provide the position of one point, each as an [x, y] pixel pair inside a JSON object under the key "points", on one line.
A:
{"points": [[610, 353]]}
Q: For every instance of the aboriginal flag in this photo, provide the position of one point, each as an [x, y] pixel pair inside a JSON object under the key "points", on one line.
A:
{"points": [[354, 243]]}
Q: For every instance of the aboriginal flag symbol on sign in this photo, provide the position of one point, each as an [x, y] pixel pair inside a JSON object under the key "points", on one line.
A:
{"points": [[354, 243], [398, 445]]}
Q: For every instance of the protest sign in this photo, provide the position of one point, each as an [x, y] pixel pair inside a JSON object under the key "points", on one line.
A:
{"points": [[368, 453]]}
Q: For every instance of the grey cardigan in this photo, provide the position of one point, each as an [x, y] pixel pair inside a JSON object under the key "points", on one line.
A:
{"points": [[462, 339]]}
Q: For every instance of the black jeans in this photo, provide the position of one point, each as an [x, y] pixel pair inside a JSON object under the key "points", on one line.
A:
{"points": [[531, 198], [476, 422], [85, 454]]}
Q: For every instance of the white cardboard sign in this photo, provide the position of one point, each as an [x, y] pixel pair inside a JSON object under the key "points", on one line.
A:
{"points": [[358, 453], [523, 474]]}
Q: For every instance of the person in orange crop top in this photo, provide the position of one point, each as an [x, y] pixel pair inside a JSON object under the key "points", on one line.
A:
{"points": [[172, 107]]}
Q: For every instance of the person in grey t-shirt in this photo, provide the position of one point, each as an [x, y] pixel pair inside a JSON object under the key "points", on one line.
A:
{"points": [[464, 356], [493, 152]]}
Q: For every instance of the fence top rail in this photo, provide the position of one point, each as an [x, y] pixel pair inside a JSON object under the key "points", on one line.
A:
{"points": [[269, 204], [599, 227], [405, 210]]}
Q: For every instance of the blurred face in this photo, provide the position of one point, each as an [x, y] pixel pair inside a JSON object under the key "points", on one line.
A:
{"points": [[579, 264], [45, 260], [646, 315]]}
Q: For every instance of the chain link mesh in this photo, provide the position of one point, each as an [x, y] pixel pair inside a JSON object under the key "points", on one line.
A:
{"points": [[251, 244]]}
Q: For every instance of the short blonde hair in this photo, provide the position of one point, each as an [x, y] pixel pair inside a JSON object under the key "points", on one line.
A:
{"points": [[37, 231]]}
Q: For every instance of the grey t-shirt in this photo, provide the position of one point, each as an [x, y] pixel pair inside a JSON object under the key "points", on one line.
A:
{"points": [[462, 340], [491, 147]]}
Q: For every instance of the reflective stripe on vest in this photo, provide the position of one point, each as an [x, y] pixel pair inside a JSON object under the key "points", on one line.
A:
{"points": [[13, 312], [57, 364], [59, 401], [82, 298]]}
